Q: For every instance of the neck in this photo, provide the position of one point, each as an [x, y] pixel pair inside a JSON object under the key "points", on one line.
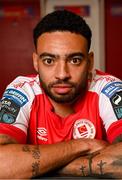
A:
{"points": [[62, 110]]}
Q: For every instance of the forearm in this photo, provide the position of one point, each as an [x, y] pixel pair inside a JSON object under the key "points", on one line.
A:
{"points": [[106, 164], [26, 161]]}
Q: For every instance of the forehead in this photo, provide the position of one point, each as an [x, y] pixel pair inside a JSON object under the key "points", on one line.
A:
{"points": [[61, 41]]}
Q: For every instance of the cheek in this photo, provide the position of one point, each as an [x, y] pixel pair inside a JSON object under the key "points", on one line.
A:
{"points": [[80, 74], [45, 75]]}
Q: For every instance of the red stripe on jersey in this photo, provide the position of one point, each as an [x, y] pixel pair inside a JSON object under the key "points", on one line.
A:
{"points": [[14, 132], [114, 130]]}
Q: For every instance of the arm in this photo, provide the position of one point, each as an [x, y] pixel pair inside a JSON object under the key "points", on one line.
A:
{"points": [[26, 161], [106, 163]]}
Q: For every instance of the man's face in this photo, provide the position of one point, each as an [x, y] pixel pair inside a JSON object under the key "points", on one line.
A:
{"points": [[63, 63]]}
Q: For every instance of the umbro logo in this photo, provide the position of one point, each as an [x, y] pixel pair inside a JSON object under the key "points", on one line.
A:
{"points": [[42, 134]]}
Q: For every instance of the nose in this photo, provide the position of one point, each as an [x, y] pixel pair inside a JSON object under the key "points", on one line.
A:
{"points": [[62, 71]]}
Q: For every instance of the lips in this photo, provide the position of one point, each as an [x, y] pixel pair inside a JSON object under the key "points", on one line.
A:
{"points": [[62, 88]]}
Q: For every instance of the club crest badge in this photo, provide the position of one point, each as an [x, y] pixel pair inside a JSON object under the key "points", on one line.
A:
{"points": [[84, 128]]}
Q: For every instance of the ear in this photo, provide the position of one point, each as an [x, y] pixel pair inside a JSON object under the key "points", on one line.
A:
{"points": [[35, 61], [91, 61]]}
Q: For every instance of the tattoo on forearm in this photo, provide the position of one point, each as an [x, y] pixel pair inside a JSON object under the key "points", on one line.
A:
{"points": [[82, 170], [35, 168], [90, 172], [26, 148], [100, 165], [90, 164], [118, 161], [36, 165], [36, 155], [4, 139], [90, 157], [118, 139], [36, 152]]}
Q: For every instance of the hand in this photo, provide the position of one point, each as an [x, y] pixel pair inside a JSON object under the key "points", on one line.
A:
{"points": [[87, 146], [96, 145]]}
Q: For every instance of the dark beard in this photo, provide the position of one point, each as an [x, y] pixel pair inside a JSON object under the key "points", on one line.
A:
{"points": [[78, 90]]}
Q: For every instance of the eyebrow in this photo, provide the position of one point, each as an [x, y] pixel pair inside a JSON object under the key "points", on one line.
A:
{"points": [[47, 54], [75, 54], [57, 56]]}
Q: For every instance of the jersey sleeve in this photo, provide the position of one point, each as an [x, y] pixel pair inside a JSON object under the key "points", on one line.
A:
{"points": [[15, 109], [110, 106]]}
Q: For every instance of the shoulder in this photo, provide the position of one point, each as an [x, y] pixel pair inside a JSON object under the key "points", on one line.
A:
{"points": [[21, 81], [103, 82], [23, 87]]}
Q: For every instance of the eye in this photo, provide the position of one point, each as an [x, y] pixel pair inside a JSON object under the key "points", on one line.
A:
{"points": [[76, 60], [48, 61]]}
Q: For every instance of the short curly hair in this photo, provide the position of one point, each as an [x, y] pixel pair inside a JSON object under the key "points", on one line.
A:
{"points": [[63, 20]]}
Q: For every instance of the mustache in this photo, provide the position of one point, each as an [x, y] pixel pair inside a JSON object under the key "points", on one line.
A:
{"points": [[62, 82]]}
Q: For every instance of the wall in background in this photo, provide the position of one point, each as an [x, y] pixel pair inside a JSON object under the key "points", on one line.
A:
{"points": [[113, 38], [17, 19]]}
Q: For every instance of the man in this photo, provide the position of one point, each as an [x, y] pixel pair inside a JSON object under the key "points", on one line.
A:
{"points": [[66, 119]]}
